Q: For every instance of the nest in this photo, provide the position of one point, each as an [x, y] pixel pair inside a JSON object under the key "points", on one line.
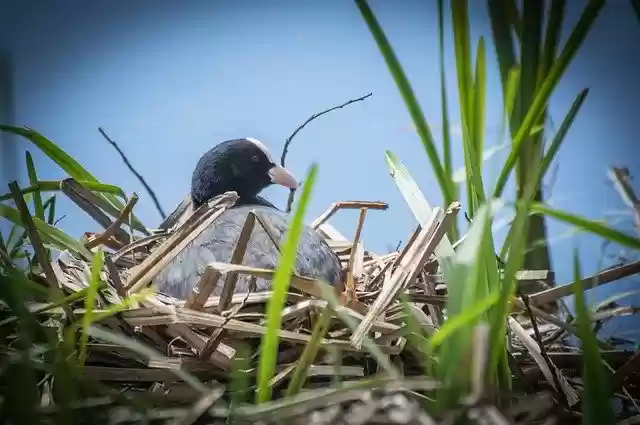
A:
{"points": [[205, 337]]}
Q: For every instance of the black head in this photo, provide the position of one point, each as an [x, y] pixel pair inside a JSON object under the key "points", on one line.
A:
{"points": [[241, 165]]}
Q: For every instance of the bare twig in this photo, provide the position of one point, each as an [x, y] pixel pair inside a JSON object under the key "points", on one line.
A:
{"points": [[133, 170], [287, 142], [292, 195]]}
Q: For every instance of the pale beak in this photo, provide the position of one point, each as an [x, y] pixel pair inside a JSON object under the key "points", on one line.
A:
{"points": [[282, 176]]}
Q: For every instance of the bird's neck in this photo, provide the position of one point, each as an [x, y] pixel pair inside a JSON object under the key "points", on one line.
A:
{"points": [[254, 200], [246, 200]]}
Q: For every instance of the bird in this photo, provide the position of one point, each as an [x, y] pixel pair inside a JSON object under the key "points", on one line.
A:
{"points": [[246, 167]]}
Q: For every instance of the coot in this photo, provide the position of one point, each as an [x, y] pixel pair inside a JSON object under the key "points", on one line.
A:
{"points": [[246, 167]]}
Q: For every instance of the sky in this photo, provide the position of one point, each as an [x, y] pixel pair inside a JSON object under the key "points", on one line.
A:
{"points": [[169, 80]]}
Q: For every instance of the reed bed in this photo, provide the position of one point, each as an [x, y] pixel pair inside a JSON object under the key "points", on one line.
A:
{"points": [[346, 354]]}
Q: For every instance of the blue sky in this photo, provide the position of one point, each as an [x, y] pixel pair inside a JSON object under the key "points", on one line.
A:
{"points": [[168, 80]]}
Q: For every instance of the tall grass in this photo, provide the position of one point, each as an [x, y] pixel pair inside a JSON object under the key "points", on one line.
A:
{"points": [[477, 291]]}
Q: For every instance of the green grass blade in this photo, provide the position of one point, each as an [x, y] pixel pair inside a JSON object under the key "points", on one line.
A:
{"points": [[89, 304], [465, 319], [12, 234], [125, 304], [48, 232], [411, 102], [511, 92], [310, 351], [281, 279], [596, 395], [562, 132], [20, 404], [240, 384], [60, 157], [414, 335], [462, 49], [552, 36], [539, 104], [590, 226], [33, 180], [64, 161], [502, 37], [446, 130], [513, 250], [479, 93], [460, 16], [54, 186], [51, 205], [465, 274]]}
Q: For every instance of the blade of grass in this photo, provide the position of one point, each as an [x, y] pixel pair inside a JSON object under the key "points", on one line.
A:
{"points": [[552, 37], [310, 351], [405, 89], [64, 161], [479, 93], [414, 336], [281, 279], [33, 180], [467, 286], [89, 304], [452, 232], [503, 42], [467, 98], [54, 186], [515, 246], [48, 232], [533, 115], [20, 404], [465, 319], [596, 395], [590, 226], [240, 384], [51, 205], [562, 131], [446, 131]]}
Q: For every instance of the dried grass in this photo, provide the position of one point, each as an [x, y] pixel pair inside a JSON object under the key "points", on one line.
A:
{"points": [[202, 335]]}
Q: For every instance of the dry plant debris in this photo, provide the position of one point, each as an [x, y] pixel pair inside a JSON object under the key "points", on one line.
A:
{"points": [[203, 335]]}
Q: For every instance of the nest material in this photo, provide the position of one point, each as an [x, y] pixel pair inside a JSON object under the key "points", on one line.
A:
{"points": [[203, 335]]}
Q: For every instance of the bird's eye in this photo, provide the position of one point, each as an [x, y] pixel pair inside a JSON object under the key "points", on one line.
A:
{"points": [[255, 158]]}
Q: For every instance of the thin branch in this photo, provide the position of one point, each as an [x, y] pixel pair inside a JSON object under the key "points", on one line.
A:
{"points": [[133, 170], [287, 143], [292, 195]]}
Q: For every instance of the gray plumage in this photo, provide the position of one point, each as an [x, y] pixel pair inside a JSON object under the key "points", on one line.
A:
{"points": [[314, 257]]}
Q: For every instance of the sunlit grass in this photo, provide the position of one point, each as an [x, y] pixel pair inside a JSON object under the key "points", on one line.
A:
{"points": [[269, 346]]}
